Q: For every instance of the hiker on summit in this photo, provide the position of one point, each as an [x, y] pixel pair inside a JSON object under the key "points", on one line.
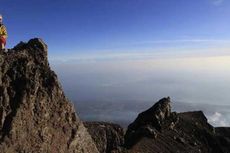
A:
{"points": [[3, 34]]}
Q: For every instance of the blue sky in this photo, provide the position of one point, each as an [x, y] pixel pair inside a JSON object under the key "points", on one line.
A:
{"points": [[73, 27]]}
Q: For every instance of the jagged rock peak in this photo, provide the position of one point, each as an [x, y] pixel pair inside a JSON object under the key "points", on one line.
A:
{"points": [[154, 115], [35, 115], [35, 47], [34, 43], [162, 109], [160, 130], [151, 121]]}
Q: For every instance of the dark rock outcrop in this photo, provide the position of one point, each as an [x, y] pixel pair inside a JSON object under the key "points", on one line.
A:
{"points": [[223, 135], [150, 122], [158, 130], [108, 137], [35, 115]]}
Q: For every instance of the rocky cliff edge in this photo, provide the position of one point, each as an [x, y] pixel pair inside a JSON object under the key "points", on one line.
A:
{"points": [[35, 115]]}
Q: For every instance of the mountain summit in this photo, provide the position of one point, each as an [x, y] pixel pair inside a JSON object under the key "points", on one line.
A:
{"points": [[158, 130], [35, 115]]}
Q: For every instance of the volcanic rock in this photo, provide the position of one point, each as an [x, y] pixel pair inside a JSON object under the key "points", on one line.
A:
{"points": [[35, 115], [150, 122], [223, 135], [187, 132], [108, 137]]}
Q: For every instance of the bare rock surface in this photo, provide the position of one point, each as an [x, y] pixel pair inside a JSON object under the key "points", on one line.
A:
{"points": [[150, 122], [35, 115], [223, 135], [158, 130], [108, 137]]}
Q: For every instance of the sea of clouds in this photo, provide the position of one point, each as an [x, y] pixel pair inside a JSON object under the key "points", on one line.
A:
{"points": [[117, 90]]}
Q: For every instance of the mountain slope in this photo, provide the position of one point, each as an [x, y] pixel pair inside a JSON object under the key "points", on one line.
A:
{"points": [[158, 130], [35, 115]]}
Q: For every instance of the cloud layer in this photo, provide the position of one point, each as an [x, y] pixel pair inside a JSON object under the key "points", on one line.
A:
{"points": [[116, 90], [218, 119], [217, 2]]}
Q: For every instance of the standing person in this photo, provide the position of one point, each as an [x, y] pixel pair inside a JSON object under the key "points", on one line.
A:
{"points": [[3, 34]]}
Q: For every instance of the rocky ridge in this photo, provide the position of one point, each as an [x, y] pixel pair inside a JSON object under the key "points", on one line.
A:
{"points": [[158, 130], [108, 137], [35, 115]]}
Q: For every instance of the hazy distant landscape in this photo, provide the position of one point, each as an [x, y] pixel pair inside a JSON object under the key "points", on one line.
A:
{"points": [[123, 112], [116, 90]]}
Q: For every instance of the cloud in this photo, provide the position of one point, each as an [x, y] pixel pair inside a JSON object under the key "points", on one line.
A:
{"points": [[217, 119], [153, 49], [187, 40], [217, 2], [167, 53]]}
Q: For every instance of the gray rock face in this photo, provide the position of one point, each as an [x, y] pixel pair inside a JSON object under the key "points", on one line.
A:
{"points": [[149, 122], [108, 137], [35, 115], [158, 130], [223, 135]]}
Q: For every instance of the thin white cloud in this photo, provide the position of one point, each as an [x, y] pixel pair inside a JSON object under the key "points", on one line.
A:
{"points": [[217, 119], [217, 2], [184, 41], [167, 51], [142, 55]]}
